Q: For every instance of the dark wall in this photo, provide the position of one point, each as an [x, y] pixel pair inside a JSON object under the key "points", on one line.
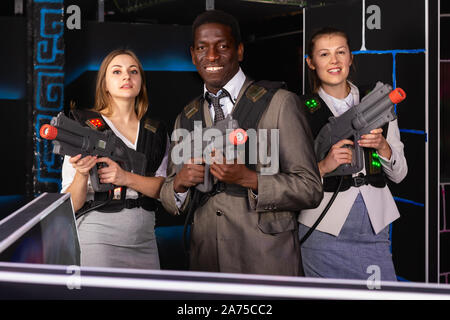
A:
{"points": [[276, 59], [13, 108], [163, 51], [445, 171], [445, 121]]}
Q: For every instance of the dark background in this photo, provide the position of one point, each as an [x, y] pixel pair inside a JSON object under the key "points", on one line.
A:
{"points": [[159, 32]]}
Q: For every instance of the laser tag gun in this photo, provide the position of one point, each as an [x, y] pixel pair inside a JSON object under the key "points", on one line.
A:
{"points": [[374, 111], [224, 137], [70, 138]]}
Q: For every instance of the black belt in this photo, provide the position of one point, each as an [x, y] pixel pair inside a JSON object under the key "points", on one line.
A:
{"points": [[359, 181], [133, 203], [330, 184], [117, 205]]}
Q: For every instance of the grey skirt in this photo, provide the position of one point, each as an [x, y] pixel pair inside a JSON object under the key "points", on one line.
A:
{"points": [[356, 253], [124, 239]]}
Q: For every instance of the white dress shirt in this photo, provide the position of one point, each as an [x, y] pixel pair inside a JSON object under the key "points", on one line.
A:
{"points": [[68, 171], [379, 201], [233, 87]]}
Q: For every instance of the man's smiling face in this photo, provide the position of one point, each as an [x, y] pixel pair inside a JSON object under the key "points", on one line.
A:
{"points": [[216, 55]]}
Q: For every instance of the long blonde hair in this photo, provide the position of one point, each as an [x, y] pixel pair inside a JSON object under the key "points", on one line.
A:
{"points": [[102, 97]]}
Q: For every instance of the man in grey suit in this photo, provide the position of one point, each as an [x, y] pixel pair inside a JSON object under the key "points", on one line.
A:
{"points": [[248, 224]]}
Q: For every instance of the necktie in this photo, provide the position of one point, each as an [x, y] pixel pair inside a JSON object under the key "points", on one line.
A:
{"points": [[215, 102]]}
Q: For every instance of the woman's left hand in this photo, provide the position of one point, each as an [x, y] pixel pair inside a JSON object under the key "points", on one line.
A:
{"points": [[113, 173], [376, 140]]}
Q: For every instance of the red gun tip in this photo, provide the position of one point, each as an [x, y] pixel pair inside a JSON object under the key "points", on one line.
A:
{"points": [[48, 132], [397, 95]]}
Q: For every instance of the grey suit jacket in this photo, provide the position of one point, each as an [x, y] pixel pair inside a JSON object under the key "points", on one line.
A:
{"points": [[257, 235]]}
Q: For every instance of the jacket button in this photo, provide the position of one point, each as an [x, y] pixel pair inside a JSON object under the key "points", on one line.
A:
{"points": [[219, 213]]}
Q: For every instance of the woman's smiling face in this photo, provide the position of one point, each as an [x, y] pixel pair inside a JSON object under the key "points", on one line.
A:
{"points": [[331, 59]]}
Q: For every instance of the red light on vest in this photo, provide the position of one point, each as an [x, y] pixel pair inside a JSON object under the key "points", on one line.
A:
{"points": [[97, 123]]}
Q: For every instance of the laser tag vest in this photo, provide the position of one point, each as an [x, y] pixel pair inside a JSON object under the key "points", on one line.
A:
{"points": [[318, 114], [152, 140], [247, 112]]}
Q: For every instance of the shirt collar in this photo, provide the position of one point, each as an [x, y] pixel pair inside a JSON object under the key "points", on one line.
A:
{"points": [[233, 86], [351, 100]]}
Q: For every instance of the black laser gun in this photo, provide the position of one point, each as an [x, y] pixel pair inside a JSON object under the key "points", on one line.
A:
{"points": [[70, 138], [375, 110]]}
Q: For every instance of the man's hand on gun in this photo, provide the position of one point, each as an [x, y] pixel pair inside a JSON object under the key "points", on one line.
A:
{"points": [[190, 175], [225, 138], [193, 173], [233, 173]]}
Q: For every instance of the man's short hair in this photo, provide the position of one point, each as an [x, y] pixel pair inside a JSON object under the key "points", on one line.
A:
{"points": [[221, 17]]}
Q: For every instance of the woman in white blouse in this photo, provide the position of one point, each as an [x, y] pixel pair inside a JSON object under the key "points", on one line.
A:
{"points": [[352, 240], [120, 233]]}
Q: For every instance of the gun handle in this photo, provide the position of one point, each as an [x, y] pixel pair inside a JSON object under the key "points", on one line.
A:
{"points": [[95, 180], [207, 184], [358, 159]]}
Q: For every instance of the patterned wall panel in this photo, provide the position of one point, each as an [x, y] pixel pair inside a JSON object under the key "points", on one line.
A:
{"points": [[47, 20]]}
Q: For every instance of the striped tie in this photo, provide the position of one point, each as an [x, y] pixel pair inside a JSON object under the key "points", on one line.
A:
{"points": [[215, 102]]}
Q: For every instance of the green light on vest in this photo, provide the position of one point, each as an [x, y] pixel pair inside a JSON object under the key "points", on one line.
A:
{"points": [[312, 103]]}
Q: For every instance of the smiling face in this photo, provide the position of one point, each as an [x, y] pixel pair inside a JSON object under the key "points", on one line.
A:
{"points": [[123, 79], [215, 55], [331, 59]]}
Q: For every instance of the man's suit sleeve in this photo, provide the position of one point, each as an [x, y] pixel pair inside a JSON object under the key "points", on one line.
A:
{"points": [[297, 184]]}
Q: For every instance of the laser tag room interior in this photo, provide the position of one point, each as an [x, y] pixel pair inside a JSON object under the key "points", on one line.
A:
{"points": [[52, 51]]}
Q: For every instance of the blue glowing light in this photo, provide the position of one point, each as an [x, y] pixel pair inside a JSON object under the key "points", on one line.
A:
{"points": [[11, 94]]}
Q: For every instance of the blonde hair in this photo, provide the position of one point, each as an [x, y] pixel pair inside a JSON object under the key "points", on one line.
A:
{"points": [[102, 97]]}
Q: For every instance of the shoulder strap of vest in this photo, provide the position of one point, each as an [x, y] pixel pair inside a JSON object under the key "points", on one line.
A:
{"points": [[192, 112], [312, 102], [248, 111], [89, 118], [255, 101], [152, 142], [151, 124], [316, 112]]}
